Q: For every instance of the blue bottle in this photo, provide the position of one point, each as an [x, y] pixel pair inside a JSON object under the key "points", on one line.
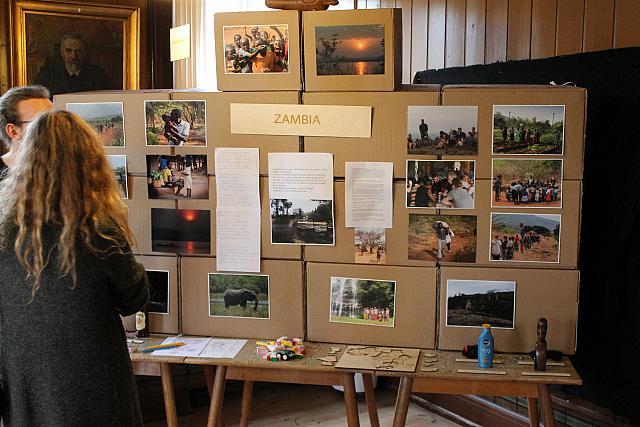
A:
{"points": [[485, 347]]}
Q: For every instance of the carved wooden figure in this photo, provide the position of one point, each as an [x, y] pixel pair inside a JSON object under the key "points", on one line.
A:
{"points": [[541, 346], [301, 5]]}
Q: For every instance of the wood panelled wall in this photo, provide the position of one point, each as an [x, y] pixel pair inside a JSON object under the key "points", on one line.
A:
{"points": [[452, 33]]}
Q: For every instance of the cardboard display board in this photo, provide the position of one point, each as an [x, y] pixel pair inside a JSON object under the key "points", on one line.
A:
{"points": [[348, 79], [415, 305], [485, 97], [552, 294], [259, 81], [218, 124], [285, 300], [134, 122], [388, 140], [160, 323]]}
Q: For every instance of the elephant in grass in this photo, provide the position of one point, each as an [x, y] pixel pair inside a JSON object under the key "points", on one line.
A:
{"points": [[239, 297]]}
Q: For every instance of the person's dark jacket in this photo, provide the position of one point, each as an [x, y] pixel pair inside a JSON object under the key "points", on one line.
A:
{"points": [[63, 356], [54, 76]]}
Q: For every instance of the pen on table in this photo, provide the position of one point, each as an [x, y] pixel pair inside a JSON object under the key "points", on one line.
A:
{"points": [[162, 347]]}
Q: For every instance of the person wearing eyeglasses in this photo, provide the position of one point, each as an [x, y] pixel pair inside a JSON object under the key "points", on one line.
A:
{"points": [[18, 107]]}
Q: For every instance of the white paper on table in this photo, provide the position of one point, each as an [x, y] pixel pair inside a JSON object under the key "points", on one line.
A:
{"points": [[222, 348], [238, 239], [369, 194], [301, 176], [238, 209], [192, 348]]}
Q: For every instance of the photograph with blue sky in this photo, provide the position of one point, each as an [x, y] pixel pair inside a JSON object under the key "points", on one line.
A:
{"points": [[528, 129], [470, 303], [106, 118]]}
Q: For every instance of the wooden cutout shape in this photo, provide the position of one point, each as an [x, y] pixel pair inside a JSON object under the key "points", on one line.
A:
{"points": [[328, 359], [429, 369], [327, 364], [379, 358], [430, 355]]}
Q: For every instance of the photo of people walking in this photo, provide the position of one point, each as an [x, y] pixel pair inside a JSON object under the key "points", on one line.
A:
{"points": [[525, 237], [450, 238], [529, 183]]}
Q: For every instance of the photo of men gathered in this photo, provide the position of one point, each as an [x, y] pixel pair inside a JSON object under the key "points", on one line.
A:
{"points": [[528, 129], [442, 130], [441, 184], [527, 183], [525, 237], [256, 49], [449, 238]]}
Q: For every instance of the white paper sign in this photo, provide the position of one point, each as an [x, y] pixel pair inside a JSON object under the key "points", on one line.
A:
{"points": [[222, 348], [369, 194], [192, 348], [238, 209]]}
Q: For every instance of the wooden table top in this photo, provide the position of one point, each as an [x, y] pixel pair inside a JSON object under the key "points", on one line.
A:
{"points": [[445, 361]]}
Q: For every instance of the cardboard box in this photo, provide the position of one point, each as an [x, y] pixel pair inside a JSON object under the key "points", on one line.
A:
{"points": [[259, 81], [218, 124], [161, 323], [388, 140], [285, 298], [134, 122], [415, 306], [486, 96], [552, 294], [312, 24]]}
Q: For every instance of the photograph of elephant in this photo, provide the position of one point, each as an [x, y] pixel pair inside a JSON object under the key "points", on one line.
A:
{"points": [[363, 301], [470, 303], [239, 295], [158, 291]]}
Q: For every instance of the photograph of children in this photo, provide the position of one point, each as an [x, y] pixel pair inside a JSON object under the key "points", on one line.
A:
{"points": [[470, 303], [442, 130], [363, 301], [527, 183], [119, 166], [176, 123], [302, 222], [158, 291], [256, 49], [525, 237], [528, 129], [442, 184], [239, 295], [107, 118], [350, 50], [176, 177], [450, 238], [182, 231], [370, 245]]}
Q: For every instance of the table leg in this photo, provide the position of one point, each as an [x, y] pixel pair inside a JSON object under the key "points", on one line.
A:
{"points": [[215, 410], [208, 378], [350, 399], [247, 392], [532, 403], [370, 396], [546, 405], [169, 395], [402, 401]]}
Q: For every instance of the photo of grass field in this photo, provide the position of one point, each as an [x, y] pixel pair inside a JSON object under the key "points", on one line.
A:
{"points": [[362, 301]]}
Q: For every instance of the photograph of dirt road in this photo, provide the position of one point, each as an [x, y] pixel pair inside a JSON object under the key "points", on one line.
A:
{"points": [[525, 237], [449, 238]]}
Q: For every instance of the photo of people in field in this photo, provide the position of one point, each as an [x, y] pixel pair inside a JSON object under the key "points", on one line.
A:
{"points": [[528, 129], [442, 184], [350, 50], [525, 237], [450, 238], [302, 222], [471, 303], [527, 183], [370, 245], [106, 118], [252, 49], [239, 295], [442, 130], [363, 301]]}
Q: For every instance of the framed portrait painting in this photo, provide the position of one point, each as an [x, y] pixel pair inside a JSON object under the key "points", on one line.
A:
{"points": [[75, 47]]}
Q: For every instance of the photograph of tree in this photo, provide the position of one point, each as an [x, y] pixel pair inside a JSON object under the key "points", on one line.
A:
{"points": [[302, 222], [256, 49], [470, 303], [443, 184], [239, 295], [527, 183], [528, 129], [450, 238], [106, 118], [181, 231], [350, 50], [158, 291], [177, 177], [363, 301], [442, 130], [370, 245], [176, 123], [119, 166], [525, 237]]}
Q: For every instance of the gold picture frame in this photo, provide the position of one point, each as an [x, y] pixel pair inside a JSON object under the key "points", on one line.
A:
{"points": [[37, 28]]}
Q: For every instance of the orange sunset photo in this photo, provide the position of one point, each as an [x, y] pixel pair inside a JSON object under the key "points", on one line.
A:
{"points": [[350, 50]]}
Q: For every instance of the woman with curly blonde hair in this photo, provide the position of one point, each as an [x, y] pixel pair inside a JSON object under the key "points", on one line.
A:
{"points": [[66, 274]]}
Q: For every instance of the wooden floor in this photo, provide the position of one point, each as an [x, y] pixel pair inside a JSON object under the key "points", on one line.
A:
{"points": [[277, 405]]}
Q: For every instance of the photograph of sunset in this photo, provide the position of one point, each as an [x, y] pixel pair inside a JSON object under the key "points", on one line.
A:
{"points": [[350, 50]]}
